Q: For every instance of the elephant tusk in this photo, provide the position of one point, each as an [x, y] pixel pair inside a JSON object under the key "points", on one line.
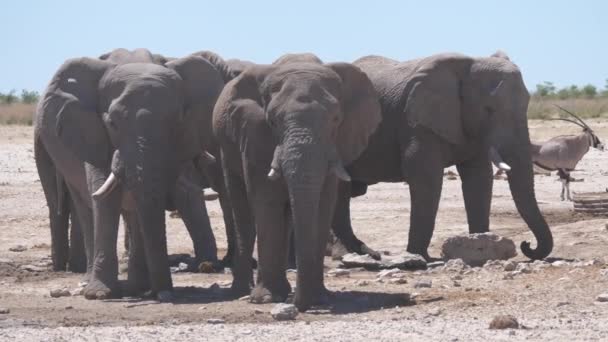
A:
{"points": [[274, 174], [497, 160], [207, 158], [106, 187], [340, 172]]}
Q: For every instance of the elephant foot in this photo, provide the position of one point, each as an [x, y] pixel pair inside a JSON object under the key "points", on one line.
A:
{"points": [[319, 298], [227, 262], [340, 248], [424, 254], [263, 295], [95, 289], [240, 289]]}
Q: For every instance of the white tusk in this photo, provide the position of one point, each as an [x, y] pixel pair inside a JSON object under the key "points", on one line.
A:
{"points": [[107, 186], [504, 166], [338, 169], [497, 160], [208, 158], [273, 174]]}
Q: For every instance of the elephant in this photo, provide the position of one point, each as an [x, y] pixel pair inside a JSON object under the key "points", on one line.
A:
{"points": [[121, 136], [185, 198], [285, 131], [449, 109]]}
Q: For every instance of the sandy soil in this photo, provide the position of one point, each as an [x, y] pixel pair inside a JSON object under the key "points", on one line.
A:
{"points": [[550, 302]]}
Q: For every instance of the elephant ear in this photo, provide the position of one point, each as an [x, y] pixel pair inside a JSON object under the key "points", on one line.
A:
{"points": [[436, 99], [361, 111], [71, 98], [239, 117], [202, 86]]}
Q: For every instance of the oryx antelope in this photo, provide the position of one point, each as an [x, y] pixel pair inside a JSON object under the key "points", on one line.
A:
{"points": [[563, 152]]}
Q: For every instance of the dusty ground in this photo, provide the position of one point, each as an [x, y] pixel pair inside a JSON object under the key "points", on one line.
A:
{"points": [[551, 303]]}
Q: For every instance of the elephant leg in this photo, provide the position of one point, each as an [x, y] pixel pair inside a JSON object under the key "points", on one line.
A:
{"points": [[127, 237], [58, 213], [138, 280], [230, 228], [310, 288], [82, 216], [78, 257], [191, 207], [103, 282], [342, 227], [242, 270], [272, 238], [291, 252], [424, 172], [477, 181]]}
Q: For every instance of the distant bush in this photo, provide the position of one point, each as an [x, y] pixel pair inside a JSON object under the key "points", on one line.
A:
{"points": [[547, 90]]}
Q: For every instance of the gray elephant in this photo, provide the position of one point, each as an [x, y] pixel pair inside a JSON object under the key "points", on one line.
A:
{"points": [[185, 197], [121, 136], [285, 131], [443, 110]]}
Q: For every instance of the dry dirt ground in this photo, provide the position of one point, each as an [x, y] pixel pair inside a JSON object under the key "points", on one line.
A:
{"points": [[553, 302]]}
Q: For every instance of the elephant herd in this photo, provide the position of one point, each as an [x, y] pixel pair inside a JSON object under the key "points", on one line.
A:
{"points": [[285, 145]]}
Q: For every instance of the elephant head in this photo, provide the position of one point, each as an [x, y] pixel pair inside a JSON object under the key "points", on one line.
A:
{"points": [[300, 121], [465, 99], [136, 122]]}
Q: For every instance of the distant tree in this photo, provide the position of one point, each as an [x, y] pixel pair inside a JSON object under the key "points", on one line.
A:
{"points": [[563, 93], [29, 96], [589, 91], [9, 97], [546, 89], [605, 91]]}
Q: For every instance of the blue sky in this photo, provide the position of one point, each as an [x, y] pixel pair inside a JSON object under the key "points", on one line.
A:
{"points": [[561, 41]]}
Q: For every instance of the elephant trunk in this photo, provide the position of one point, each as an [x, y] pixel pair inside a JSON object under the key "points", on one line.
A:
{"points": [[305, 168], [521, 183], [148, 177]]}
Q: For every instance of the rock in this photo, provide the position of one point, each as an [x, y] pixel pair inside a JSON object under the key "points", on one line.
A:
{"points": [[435, 264], [216, 321], [423, 283], [476, 249], [258, 311], [362, 283], [284, 312], [387, 273], [4, 311], [339, 272], [602, 298], [435, 312], [493, 265], [245, 298], [454, 265], [457, 277], [56, 293], [18, 248], [504, 322], [456, 284], [77, 291], [32, 268], [523, 268], [397, 281], [405, 261], [509, 266]]}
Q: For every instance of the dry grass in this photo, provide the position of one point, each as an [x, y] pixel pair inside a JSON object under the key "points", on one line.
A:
{"points": [[17, 114], [540, 108]]}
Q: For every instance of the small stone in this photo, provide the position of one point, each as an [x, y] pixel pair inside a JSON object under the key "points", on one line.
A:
{"points": [[258, 311], [456, 284], [201, 308], [454, 265], [362, 283], [457, 277], [425, 283], [504, 322], [387, 273], [339, 272], [435, 264], [18, 248], [32, 268], [523, 268], [510, 266], [56, 293], [4, 311], [69, 307], [283, 312], [493, 265], [216, 321], [435, 312], [397, 281], [245, 298], [562, 304], [602, 298], [559, 263]]}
